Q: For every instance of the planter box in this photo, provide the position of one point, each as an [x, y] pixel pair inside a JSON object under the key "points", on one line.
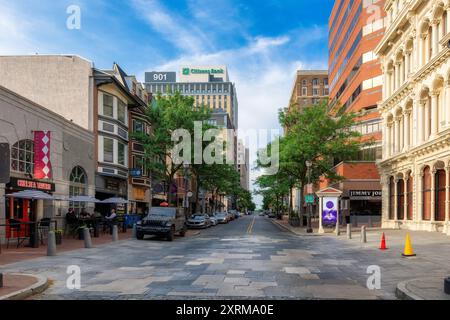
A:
{"points": [[58, 238], [295, 222]]}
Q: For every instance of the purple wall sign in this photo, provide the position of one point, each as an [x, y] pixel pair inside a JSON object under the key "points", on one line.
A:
{"points": [[329, 212]]}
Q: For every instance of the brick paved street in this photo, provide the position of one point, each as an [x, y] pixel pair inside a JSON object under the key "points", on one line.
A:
{"points": [[230, 261]]}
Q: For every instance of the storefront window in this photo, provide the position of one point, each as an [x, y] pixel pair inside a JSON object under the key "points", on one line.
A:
{"points": [[78, 181], [427, 194], [22, 156]]}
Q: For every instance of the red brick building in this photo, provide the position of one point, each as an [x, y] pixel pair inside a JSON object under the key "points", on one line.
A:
{"points": [[355, 78]]}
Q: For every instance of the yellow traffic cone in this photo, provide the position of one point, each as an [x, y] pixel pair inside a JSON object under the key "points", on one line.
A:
{"points": [[408, 247]]}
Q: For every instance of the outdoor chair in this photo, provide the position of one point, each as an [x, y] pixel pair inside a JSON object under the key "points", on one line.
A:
{"points": [[16, 231], [44, 228]]}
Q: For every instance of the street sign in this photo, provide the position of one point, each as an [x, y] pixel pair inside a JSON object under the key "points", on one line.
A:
{"points": [[5, 163], [309, 198]]}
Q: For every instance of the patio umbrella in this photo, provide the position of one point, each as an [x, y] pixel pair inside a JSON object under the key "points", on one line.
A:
{"points": [[31, 194], [164, 204], [115, 201], [84, 199]]}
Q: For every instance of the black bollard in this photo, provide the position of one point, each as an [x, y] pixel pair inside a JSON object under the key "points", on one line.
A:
{"points": [[447, 286], [1, 280]]}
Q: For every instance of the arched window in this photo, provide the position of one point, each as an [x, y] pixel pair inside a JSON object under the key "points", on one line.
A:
{"points": [[426, 194], [22, 156], [401, 199], [78, 183], [392, 199], [409, 194], [440, 195]]}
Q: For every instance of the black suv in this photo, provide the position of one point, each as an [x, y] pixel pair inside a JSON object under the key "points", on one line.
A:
{"points": [[162, 222]]}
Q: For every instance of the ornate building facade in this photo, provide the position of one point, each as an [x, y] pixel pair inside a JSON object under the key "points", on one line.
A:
{"points": [[415, 168]]}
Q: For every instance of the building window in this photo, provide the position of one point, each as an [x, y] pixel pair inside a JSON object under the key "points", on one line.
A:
{"points": [[315, 92], [392, 199], [22, 156], [401, 199], [138, 126], [409, 194], [121, 154], [304, 91], [426, 194], [121, 111], [77, 187], [108, 103], [304, 82], [315, 82], [108, 150], [440, 195], [325, 82]]}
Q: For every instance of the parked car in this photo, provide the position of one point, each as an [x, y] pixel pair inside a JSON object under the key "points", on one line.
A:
{"points": [[199, 221], [162, 222], [222, 218], [237, 215], [272, 215], [213, 220], [231, 215], [262, 214]]}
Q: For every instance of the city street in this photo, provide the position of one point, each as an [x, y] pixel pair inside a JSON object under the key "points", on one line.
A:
{"points": [[247, 258]]}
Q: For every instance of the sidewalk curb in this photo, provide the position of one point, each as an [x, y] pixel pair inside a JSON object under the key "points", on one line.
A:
{"points": [[36, 288], [292, 231], [403, 293]]}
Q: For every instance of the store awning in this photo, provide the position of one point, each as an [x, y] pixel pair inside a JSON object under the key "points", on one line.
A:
{"points": [[115, 201], [31, 195], [88, 199]]}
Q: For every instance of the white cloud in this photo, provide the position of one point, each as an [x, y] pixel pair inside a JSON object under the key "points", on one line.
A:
{"points": [[14, 30]]}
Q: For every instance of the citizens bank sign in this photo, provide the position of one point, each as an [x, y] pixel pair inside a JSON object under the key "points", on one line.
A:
{"points": [[188, 71]]}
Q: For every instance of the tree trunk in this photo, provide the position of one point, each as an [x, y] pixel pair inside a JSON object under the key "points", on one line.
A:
{"points": [[290, 203]]}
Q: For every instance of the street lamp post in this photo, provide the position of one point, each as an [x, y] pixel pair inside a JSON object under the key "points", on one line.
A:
{"points": [[308, 220]]}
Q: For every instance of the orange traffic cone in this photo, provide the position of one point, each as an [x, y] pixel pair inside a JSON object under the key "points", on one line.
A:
{"points": [[383, 243], [408, 252]]}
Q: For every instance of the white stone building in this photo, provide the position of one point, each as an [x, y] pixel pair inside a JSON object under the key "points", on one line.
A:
{"points": [[415, 168]]}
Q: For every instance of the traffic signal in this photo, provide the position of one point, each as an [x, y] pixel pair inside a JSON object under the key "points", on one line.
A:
{"points": [[4, 163]]}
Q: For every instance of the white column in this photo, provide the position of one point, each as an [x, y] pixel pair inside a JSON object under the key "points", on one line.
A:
{"points": [[320, 215], [402, 71], [447, 24], [433, 195], [426, 52], [421, 121], [446, 103], [435, 38], [434, 114], [447, 197], [407, 126], [388, 140], [396, 139], [420, 196], [427, 111], [395, 199], [401, 122], [408, 64]]}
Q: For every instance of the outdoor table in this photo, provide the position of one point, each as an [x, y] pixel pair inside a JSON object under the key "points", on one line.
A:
{"points": [[33, 235]]}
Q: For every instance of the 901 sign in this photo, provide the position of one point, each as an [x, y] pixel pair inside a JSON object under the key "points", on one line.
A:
{"points": [[159, 77]]}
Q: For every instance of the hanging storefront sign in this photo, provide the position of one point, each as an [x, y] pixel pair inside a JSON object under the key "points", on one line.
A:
{"points": [[365, 194], [42, 164], [24, 184], [330, 211]]}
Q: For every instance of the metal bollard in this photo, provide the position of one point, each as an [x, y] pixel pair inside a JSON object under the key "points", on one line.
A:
{"points": [[87, 238], [363, 234], [349, 231], [447, 286], [369, 222], [133, 232], [115, 233], [51, 244], [338, 229]]}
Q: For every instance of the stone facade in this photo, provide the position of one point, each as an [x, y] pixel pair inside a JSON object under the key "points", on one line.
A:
{"points": [[416, 149], [71, 146]]}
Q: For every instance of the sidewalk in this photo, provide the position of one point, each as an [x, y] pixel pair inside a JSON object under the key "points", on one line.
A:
{"points": [[14, 254], [22, 286], [431, 288], [301, 231]]}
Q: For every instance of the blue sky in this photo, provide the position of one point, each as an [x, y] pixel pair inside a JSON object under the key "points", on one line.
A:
{"points": [[262, 42]]}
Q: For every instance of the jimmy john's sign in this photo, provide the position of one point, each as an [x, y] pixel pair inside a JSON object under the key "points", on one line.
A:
{"points": [[365, 194]]}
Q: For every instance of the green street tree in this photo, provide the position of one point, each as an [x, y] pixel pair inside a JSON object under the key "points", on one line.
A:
{"points": [[312, 135], [167, 114]]}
